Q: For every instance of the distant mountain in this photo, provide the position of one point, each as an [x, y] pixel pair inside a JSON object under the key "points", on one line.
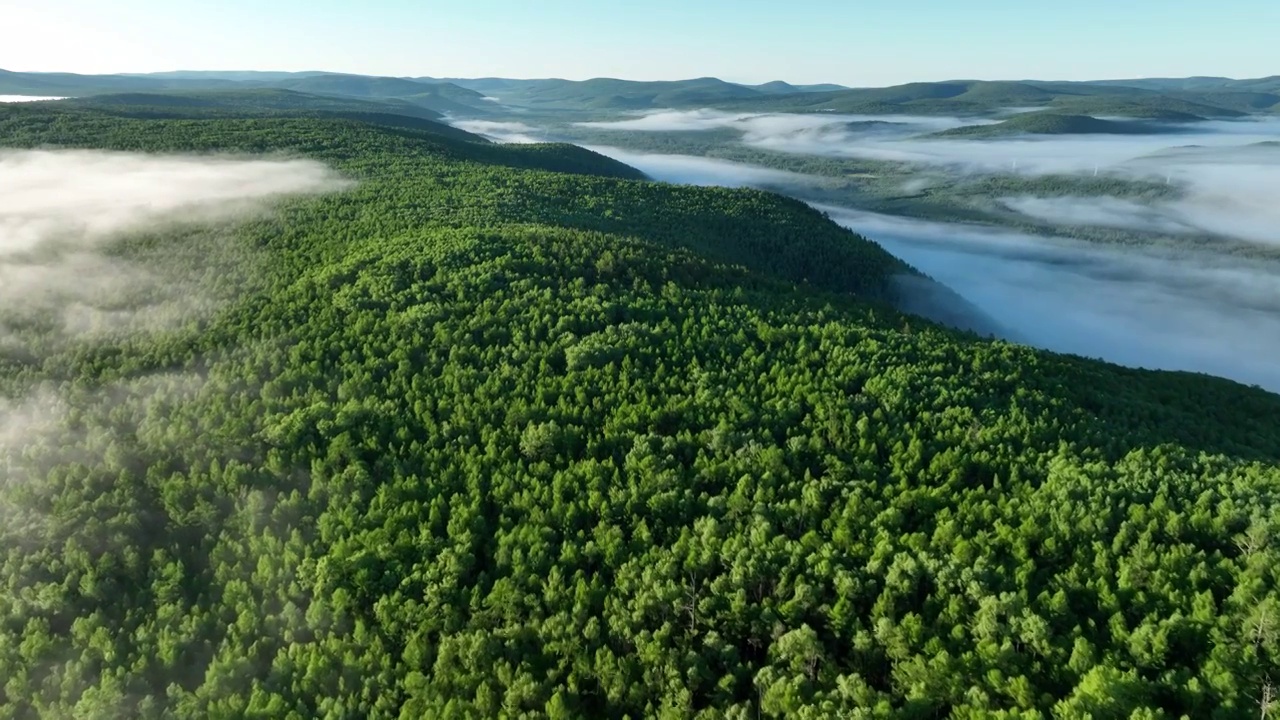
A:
{"points": [[233, 75], [438, 96], [435, 96], [1048, 124], [1151, 107], [779, 87], [965, 95], [254, 98], [64, 84], [1267, 84], [822, 87], [977, 97], [1185, 100], [494, 86], [1242, 101], [614, 94], [353, 85]]}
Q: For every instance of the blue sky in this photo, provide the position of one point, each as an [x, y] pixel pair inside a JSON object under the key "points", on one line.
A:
{"points": [[855, 42]]}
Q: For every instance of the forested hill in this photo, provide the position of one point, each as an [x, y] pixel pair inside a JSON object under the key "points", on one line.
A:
{"points": [[1043, 123], [480, 437]]}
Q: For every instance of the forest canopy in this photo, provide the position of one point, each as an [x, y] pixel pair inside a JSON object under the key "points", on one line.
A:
{"points": [[510, 431]]}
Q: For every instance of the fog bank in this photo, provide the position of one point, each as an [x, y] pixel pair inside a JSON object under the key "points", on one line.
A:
{"points": [[61, 210], [794, 127], [693, 170], [498, 131], [1140, 309]]}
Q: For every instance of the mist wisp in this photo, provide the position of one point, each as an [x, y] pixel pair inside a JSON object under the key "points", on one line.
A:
{"points": [[61, 210], [64, 279], [82, 197], [692, 170], [516, 133]]}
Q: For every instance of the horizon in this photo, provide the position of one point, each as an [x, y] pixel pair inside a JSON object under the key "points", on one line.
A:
{"points": [[444, 78], [748, 42]]}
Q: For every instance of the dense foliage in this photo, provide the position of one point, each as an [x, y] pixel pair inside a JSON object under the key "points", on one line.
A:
{"points": [[477, 438]]}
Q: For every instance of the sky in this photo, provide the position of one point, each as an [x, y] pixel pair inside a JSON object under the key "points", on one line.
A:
{"points": [[852, 42]]}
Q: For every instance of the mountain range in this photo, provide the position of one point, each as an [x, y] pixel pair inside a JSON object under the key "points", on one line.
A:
{"points": [[1178, 100]]}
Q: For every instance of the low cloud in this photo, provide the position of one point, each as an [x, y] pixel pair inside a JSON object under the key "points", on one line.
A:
{"points": [[63, 279], [1227, 178], [54, 426], [36, 414], [85, 196], [1229, 194], [504, 132], [1098, 211], [61, 211], [691, 170], [673, 121], [1028, 155], [1137, 308], [25, 98], [803, 133]]}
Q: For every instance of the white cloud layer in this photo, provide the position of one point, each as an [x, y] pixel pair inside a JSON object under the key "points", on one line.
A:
{"points": [[1229, 179], [86, 196], [499, 131], [59, 208], [691, 170], [25, 98], [1136, 308]]}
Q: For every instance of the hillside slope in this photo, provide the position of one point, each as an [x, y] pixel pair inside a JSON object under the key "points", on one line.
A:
{"points": [[474, 438], [1048, 123], [440, 97]]}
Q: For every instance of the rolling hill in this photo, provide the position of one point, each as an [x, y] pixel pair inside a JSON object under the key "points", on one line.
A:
{"points": [[1238, 101], [1198, 84], [780, 87], [439, 97], [1152, 107], [501, 430], [613, 94], [986, 98], [355, 86], [1049, 123], [66, 84]]}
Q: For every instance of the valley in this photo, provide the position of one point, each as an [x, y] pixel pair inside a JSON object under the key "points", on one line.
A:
{"points": [[1093, 238]]}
